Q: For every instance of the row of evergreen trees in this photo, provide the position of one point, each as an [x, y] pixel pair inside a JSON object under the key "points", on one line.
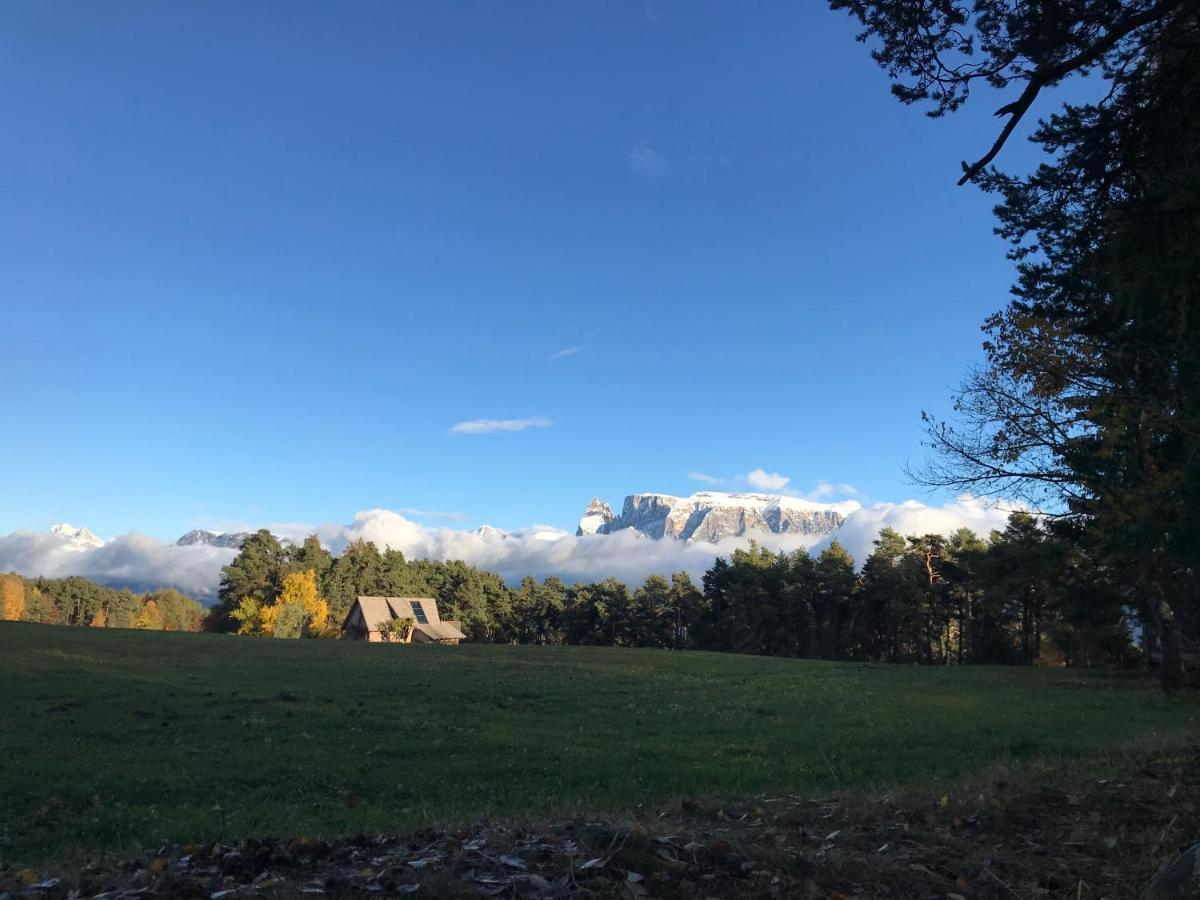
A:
{"points": [[1024, 594], [77, 601]]}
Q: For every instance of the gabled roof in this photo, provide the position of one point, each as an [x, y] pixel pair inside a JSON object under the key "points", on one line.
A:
{"points": [[441, 631]]}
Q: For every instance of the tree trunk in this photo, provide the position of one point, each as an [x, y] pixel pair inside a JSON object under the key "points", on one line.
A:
{"points": [[1171, 671], [962, 624]]}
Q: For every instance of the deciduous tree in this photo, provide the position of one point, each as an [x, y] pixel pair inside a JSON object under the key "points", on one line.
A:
{"points": [[12, 598]]}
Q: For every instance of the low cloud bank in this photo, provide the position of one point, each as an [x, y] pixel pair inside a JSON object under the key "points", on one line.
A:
{"points": [[140, 561], [862, 526], [131, 560]]}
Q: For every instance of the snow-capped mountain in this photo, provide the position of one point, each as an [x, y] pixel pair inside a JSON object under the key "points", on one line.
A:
{"points": [[712, 515], [595, 518], [537, 532], [76, 538], [232, 540], [491, 533]]}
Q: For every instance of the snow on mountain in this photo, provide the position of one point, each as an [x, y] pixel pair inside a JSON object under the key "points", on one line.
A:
{"points": [[491, 533], [713, 515], [536, 532], [595, 517], [76, 538], [232, 540]]}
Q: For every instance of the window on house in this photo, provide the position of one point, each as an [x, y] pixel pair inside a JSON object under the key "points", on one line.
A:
{"points": [[419, 613]]}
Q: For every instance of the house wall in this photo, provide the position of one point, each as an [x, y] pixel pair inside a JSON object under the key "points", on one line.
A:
{"points": [[376, 637]]}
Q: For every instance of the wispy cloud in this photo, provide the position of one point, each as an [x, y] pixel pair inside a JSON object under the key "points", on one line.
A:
{"points": [[826, 490], [565, 352], [767, 481], [644, 160], [707, 479], [491, 426]]}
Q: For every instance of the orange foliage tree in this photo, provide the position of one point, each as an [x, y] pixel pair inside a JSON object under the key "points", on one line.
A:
{"points": [[12, 598]]}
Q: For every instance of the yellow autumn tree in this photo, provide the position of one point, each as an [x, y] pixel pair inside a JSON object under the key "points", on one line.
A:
{"points": [[300, 589], [149, 617], [300, 611], [249, 614], [12, 598]]}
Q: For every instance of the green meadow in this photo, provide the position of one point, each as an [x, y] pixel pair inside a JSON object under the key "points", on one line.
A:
{"points": [[123, 740]]}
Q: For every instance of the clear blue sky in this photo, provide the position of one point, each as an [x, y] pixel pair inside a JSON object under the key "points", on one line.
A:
{"points": [[257, 259]]}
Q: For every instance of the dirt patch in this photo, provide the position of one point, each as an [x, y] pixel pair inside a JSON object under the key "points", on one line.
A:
{"points": [[1030, 834]]}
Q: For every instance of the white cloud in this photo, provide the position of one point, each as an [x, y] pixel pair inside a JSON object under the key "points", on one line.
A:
{"points": [[144, 562], [707, 479], [768, 481], [645, 160], [136, 560], [543, 550], [565, 352], [490, 426], [911, 517]]}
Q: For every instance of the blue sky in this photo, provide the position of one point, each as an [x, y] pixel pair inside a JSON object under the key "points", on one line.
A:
{"points": [[258, 259]]}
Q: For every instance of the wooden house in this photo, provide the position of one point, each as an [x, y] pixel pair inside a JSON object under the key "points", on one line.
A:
{"points": [[383, 619]]}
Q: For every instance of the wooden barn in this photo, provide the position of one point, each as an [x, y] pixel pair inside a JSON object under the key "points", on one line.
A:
{"points": [[403, 620]]}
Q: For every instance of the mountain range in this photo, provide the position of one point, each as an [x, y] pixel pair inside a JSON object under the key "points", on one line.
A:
{"points": [[232, 540], [713, 515], [704, 516]]}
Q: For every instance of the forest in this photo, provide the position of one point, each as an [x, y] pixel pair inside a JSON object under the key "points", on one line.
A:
{"points": [[78, 601], [1021, 596], [1029, 594]]}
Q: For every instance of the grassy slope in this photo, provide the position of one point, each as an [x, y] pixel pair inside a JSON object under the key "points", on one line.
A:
{"points": [[118, 740]]}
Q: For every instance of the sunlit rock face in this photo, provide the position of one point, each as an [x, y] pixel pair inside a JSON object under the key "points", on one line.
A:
{"points": [[712, 515], [595, 518]]}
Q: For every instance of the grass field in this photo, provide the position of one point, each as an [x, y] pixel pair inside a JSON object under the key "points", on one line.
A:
{"points": [[120, 740]]}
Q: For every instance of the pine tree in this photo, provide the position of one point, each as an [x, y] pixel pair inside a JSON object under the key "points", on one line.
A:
{"points": [[257, 572], [835, 611]]}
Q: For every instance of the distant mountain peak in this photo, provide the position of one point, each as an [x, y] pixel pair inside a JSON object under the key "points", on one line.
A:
{"points": [[713, 515], [595, 518], [490, 532], [76, 538], [233, 540]]}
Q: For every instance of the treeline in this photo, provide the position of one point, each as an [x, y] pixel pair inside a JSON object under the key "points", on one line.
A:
{"points": [[77, 601], [1022, 595]]}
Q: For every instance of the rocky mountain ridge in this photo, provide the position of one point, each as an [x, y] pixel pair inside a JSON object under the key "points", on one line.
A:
{"points": [[713, 515], [231, 540]]}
